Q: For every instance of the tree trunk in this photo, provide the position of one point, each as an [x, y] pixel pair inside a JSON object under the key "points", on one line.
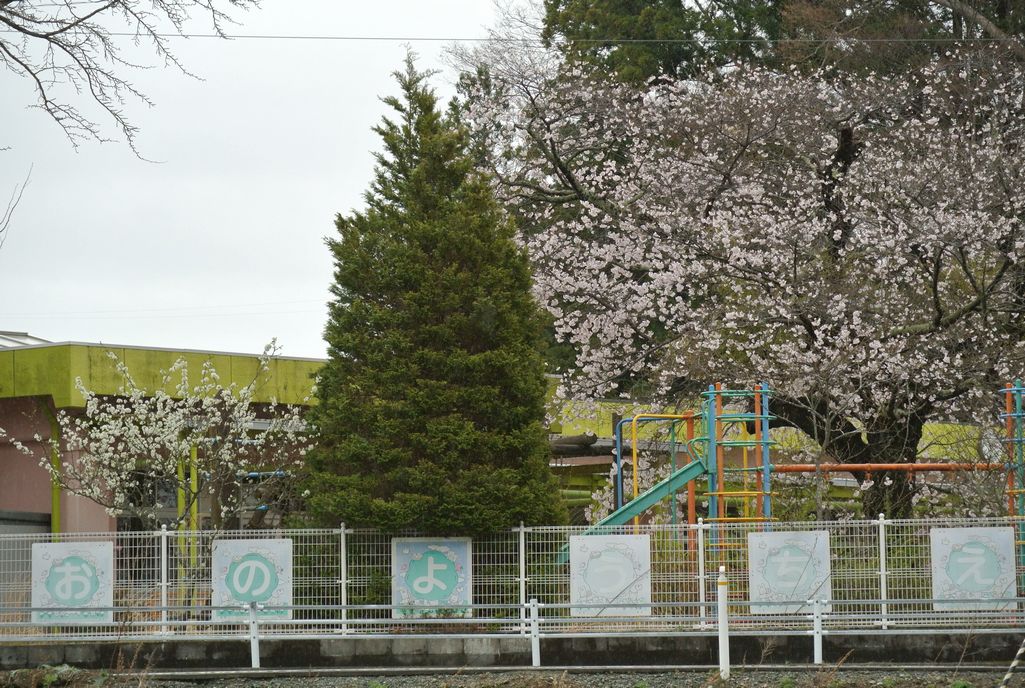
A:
{"points": [[889, 494], [892, 441], [891, 436]]}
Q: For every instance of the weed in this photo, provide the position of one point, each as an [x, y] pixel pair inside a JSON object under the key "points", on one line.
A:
{"points": [[827, 676], [46, 676], [961, 683], [788, 682]]}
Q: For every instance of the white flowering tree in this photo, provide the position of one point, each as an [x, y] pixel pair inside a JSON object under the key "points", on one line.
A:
{"points": [[188, 440], [853, 241]]}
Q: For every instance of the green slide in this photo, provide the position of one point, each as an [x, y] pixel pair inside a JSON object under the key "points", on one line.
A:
{"points": [[646, 500]]}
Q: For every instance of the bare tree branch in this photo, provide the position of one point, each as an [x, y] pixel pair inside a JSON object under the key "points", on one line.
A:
{"points": [[12, 204], [62, 49]]}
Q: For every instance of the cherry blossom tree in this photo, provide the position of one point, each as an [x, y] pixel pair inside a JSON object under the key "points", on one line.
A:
{"points": [[198, 438], [852, 241]]}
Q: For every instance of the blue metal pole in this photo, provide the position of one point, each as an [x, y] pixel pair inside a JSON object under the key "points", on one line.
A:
{"points": [[713, 483]]}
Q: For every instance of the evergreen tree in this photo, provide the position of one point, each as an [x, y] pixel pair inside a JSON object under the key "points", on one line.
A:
{"points": [[432, 400], [639, 39], [635, 40]]}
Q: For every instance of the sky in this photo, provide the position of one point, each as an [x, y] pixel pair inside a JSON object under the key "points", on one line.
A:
{"points": [[219, 243]]}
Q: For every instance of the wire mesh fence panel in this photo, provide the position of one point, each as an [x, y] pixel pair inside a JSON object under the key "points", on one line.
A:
{"points": [[912, 570], [495, 577], [496, 573], [134, 584], [880, 576], [369, 574], [846, 573], [547, 565], [671, 570]]}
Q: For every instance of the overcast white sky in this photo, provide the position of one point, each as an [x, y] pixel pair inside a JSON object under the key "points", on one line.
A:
{"points": [[220, 245]]}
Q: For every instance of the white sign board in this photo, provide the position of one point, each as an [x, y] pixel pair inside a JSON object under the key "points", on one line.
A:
{"points": [[972, 563], [431, 572], [246, 571], [610, 570], [788, 567], [76, 575]]}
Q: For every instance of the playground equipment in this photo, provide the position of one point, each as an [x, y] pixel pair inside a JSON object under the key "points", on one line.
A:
{"points": [[707, 454], [750, 483], [1014, 424]]}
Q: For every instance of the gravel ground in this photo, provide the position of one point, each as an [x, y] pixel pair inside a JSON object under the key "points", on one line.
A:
{"points": [[829, 677], [825, 678]]}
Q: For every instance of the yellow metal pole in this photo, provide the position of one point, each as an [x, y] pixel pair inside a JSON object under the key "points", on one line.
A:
{"points": [[633, 443], [747, 482]]}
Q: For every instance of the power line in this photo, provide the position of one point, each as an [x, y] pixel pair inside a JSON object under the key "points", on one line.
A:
{"points": [[166, 316], [177, 311], [538, 41]]}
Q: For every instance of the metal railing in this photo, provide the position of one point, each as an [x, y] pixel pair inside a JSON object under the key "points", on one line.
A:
{"points": [[881, 582]]}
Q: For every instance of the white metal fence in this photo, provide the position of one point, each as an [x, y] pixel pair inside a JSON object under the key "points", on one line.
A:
{"points": [[881, 582]]}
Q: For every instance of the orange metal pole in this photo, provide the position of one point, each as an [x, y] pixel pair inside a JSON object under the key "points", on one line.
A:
{"points": [[913, 467]]}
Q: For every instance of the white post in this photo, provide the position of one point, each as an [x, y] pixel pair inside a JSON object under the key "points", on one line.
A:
{"points": [[254, 636], [164, 583], [523, 579], [535, 635], [883, 584], [816, 606], [343, 578], [702, 616], [722, 619]]}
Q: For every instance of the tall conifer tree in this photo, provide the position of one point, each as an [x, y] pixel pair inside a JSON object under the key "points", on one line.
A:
{"points": [[432, 400]]}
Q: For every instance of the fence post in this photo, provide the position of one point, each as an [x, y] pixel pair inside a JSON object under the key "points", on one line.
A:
{"points": [[535, 635], [523, 579], [883, 583], [702, 616], [164, 583], [722, 619], [254, 636], [816, 616], [343, 577]]}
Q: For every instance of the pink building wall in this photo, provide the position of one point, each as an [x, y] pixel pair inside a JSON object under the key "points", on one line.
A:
{"points": [[24, 484]]}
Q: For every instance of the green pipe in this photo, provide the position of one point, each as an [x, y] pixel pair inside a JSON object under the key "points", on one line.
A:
{"points": [[193, 506], [55, 465]]}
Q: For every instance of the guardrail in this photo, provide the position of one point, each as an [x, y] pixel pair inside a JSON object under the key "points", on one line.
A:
{"points": [[534, 621]]}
